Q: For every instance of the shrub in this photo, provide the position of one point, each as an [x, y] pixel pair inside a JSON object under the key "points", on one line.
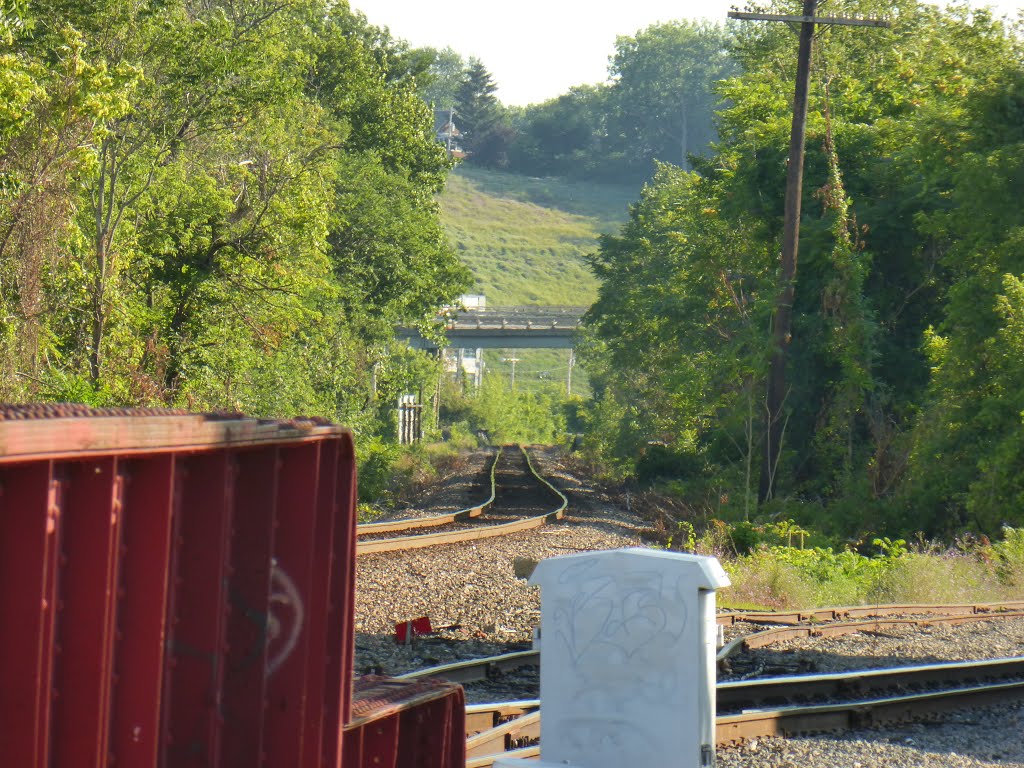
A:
{"points": [[376, 459], [763, 580], [1010, 560]]}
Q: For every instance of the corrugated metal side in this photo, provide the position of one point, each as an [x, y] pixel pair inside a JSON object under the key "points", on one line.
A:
{"points": [[175, 590]]}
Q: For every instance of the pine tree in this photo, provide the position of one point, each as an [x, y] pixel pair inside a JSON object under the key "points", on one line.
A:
{"points": [[480, 116]]}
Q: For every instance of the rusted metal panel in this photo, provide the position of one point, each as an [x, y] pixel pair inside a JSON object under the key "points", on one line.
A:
{"points": [[178, 591], [86, 604], [29, 511], [400, 724], [163, 577], [292, 575], [340, 628], [198, 642], [146, 553], [315, 722]]}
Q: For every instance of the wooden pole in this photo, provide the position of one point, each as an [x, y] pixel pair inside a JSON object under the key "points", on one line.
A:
{"points": [[782, 325]]}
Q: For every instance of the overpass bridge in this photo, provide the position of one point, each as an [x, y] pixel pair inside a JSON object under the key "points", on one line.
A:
{"points": [[523, 327]]}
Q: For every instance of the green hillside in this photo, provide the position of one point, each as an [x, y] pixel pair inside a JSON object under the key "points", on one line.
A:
{"points": [[525, 238]]}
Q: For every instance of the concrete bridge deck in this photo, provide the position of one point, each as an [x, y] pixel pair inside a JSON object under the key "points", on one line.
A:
{"points": [[521, 327]]}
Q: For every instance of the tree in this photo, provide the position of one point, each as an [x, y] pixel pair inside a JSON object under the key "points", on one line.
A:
{"points": [[662, 102], [902, 229], [440, 85], [216, 206], [562, 136], [485, 131], [659, 105]]}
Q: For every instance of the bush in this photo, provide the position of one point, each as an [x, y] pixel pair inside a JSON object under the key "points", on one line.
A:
{"points": [[766, 581], [1009, 555], [950, 577], [781, 576], [376, 460]]}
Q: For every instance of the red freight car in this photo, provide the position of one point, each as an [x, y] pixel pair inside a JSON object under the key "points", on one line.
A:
{"points": [[177, 590]]}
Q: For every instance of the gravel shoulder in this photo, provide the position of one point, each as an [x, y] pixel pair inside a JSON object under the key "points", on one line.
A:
{"points": [[471, 587], [472, 591], [990, 737]]}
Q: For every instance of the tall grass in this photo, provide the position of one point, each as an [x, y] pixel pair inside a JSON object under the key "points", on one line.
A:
{"points": [[779, 576], [525, 239]]}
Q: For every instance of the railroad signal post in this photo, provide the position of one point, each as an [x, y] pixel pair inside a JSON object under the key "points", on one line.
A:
{"points": [[627, 647], [783, 320]]}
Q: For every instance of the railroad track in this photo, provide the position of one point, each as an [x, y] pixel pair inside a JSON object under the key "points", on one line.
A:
{"points": [[791, 627], [830, 703], [517, 492], [781, 706]]}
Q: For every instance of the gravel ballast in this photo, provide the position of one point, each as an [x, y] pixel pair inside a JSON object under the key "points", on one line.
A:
{"points": [[472, 592]]}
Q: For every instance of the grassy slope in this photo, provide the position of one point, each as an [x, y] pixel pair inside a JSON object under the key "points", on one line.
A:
{"points": [[525, 238]]}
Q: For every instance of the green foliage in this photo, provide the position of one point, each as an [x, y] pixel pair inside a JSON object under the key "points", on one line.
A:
{"points": [[377, 459], [676, 334], [661, 103], [481, 117], [1009, 559], [224, 206], [439, 87], [913, 169], [507, 416], [780, 576], [658, 106], [562, 137]]}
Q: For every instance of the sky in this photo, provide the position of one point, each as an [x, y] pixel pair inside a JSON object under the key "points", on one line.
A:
{"points": [[537, 49]]}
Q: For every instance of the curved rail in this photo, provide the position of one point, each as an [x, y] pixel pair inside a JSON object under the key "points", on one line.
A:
{"points": [[1005, 682], [865, 611], [781, 634], [790, 721], [470, 534], [367, 529], [483, 717], [512, 734], [473, 670], [476, 669]]}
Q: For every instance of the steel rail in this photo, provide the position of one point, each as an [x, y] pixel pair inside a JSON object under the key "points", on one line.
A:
{"points": [[470, 534], [483, 717], [781, 634], [485, 747], [476, 669], [366, 529], [750, 694], [488, 760], [865, 611], [504, 737], [480, 669], [792, 721], [747, 694]]}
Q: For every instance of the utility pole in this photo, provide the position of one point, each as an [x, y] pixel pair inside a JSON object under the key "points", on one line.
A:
{"points": [[568, 378], [451, 126], [783, 320], [513, 360]]}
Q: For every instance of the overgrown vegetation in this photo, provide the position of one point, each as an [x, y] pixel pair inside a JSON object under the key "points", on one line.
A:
{"points": [[229, 205], [770, 567], [500, 415], [223, 205], [906, 403]]}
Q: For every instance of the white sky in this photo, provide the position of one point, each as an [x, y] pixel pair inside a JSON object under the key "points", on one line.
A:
{"points": [[536, 49]]}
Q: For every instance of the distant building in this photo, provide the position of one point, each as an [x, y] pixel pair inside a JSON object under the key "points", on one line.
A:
{"points": [[469, 361], [447, 133], [473, 301]]}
